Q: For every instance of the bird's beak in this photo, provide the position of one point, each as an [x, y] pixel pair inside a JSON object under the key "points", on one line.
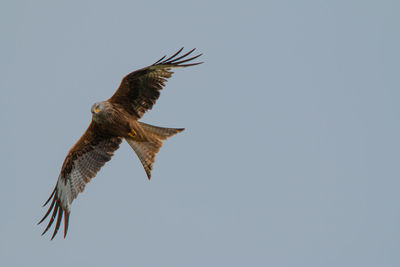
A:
{"points": [[96, 110]]}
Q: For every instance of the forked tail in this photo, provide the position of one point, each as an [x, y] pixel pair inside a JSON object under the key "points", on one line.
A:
{"points": [[147, 150]]}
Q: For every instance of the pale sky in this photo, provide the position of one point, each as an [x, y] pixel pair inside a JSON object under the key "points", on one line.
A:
{"points": [[290, 155]]}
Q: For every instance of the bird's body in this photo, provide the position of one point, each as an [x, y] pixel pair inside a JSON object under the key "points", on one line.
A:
{"points": [[113, 121]]}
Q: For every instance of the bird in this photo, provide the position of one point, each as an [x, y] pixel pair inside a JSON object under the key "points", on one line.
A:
{"points": [[113, 121]]}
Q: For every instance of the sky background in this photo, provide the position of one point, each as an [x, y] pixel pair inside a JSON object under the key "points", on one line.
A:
{"points": [[290, 155]]}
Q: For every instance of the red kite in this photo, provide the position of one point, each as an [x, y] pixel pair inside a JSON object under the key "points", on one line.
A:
{"points": [[112, 121]]}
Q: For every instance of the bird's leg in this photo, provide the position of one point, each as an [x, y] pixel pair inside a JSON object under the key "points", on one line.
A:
{"points": [[132, 133]]}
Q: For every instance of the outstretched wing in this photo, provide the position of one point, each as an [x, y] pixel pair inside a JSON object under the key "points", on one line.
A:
{"points": [[140, 89], [82, 163]]}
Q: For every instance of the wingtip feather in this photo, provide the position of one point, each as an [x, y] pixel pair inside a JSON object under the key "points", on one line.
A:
{"points": [[177, 61], [48, 211], [53, 216], [59, 218], [174, 55], [52, 194], [66, 223]]}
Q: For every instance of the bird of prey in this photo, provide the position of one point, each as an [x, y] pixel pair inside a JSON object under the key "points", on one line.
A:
{"points": [[112, 121]]}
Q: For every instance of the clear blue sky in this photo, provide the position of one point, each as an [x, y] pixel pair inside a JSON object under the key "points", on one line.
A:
{"points": [[290, 155]]}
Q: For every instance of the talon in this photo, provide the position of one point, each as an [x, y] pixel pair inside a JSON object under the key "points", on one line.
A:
{"points": [[132, 133]]}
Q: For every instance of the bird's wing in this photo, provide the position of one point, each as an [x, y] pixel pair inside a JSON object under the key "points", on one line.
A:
{"points": [[140, 89], [82, 163]]}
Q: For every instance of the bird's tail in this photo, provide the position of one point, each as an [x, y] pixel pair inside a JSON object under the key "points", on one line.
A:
{"points": [[147, 149]]}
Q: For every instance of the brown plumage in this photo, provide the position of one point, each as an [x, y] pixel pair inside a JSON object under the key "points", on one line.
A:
{"points": [[112, 121]]}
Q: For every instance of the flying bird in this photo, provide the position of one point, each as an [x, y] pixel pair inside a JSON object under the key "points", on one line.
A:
{"points": [[112, 121]]}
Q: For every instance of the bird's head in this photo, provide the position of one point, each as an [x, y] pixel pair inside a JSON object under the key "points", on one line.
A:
{"points": [[98, 108]]}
